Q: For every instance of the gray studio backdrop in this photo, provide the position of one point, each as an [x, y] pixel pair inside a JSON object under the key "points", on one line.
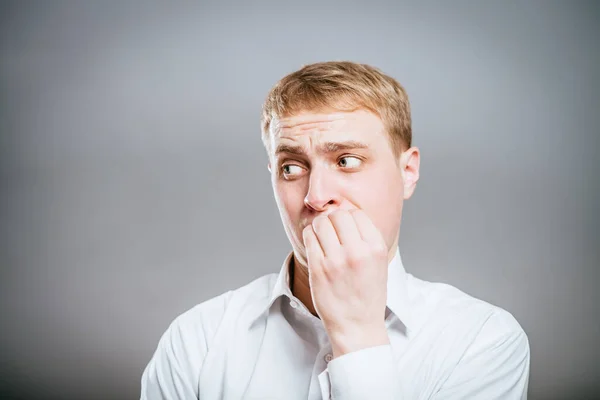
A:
{"points": [[134, 184]]}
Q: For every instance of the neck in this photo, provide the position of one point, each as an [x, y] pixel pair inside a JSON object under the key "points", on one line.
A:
{"points": [[300, 284]]}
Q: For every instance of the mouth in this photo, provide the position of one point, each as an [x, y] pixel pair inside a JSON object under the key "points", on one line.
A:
{"points": [[309, 220]]}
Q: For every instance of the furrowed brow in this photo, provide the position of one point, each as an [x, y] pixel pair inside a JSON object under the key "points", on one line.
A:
{"points": [[291, 149], [326, 148], [334, 147]]}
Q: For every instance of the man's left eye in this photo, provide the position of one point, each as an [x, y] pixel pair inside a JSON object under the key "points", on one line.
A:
{"points": [[349, 162]]}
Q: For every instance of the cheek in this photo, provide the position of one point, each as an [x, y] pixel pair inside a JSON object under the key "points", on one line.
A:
{"points": [[381, 198], [290, 199], [378, 191]]}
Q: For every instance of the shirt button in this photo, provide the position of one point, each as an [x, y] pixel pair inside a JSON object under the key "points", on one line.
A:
{"points": [[328, 357], [293, 304]]}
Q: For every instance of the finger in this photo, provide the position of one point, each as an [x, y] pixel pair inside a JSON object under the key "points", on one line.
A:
{"points": [[345, 228], [314, 254], [368, 231], [327, 236]]}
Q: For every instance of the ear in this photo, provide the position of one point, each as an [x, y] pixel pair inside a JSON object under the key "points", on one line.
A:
{"points": [[269, 166], [409, 163]]}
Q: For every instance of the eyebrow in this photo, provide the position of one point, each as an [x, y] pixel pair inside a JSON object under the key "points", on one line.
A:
{"points": [[328, 147]]}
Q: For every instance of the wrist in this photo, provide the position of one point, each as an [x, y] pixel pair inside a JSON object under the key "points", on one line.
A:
{"points": [[348, 341]]}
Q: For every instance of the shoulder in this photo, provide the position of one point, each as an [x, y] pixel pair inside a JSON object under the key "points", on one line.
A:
{"points": [[485, 350], [444, 301], [204, 319], [185, 343], [175, 366]]}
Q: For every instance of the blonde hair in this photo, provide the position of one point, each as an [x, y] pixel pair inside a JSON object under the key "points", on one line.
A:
{"points": [[341, 86]]}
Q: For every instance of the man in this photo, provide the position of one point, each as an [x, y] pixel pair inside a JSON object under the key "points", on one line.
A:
{"points": [[342, 319]]}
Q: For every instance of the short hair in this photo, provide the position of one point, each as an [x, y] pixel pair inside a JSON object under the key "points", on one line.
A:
{"points": [[341, 86]]}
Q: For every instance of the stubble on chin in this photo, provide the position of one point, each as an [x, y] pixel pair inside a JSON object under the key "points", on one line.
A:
{"points": [[300, 251]]}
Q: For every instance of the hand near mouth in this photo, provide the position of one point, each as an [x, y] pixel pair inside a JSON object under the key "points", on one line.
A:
{"points": [[348, 264]]}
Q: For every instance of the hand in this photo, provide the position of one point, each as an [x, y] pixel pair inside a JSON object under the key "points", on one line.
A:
{"points": [[348, 265]]}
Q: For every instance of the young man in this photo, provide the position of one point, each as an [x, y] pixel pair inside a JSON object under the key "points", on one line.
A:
{"points": [[342, 319]]}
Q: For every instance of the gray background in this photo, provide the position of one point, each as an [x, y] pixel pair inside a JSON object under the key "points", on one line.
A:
{"points": [[134, 184]]}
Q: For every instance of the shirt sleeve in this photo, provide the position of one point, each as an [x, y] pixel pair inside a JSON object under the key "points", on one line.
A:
{"points": [[495, 366], [365, 374], [171, 373]]}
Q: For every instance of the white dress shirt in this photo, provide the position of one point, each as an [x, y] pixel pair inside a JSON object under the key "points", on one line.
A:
{"points": [[261, 342]]}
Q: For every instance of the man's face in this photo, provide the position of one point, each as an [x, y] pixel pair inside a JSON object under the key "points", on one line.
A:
{"points": [[322, 162]]}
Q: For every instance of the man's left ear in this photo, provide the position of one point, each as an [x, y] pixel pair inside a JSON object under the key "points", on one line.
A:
{"points": [[409, 164]]}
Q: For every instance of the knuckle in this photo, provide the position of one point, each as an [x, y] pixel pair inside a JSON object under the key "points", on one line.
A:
{"points": [[356, 212], [354, 252], [338, 215], [357, 255], [380, 249], [335, 263]]}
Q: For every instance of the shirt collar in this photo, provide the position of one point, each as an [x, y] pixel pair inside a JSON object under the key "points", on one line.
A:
{"points": [[397, 295], [282, 284]]}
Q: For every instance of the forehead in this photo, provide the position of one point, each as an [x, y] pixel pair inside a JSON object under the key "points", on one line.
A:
{"points": [[358, 124]]}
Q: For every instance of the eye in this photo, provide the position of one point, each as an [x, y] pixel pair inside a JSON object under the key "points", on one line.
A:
{"points": [[349, 162], [289, 170]]}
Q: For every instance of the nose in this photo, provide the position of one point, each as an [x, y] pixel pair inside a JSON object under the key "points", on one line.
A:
{"points": [[322, 192]]}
